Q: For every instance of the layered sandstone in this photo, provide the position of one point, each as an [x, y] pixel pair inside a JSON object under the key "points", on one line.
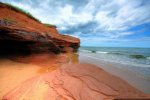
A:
{"points": [[20, 32]]}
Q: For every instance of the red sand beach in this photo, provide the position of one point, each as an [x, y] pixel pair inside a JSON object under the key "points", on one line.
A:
{"points": [[62, 78]]}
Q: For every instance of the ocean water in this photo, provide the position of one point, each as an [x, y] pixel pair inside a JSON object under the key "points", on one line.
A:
{"points": [[136, 58], [129, 56]]}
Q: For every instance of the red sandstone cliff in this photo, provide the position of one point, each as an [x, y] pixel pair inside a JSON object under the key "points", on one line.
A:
{"points": [[20, 32]]}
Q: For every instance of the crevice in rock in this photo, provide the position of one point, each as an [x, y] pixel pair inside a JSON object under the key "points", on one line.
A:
{"points": [[10, 48]]}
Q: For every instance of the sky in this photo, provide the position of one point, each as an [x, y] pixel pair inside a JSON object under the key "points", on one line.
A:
{"points": [[100, 23]]}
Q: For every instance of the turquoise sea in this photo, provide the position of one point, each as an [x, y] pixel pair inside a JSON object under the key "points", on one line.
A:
{"points": [[121, 55]]}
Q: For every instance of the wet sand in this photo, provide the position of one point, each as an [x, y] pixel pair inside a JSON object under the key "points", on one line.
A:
{"points": [[135, 79], [48, 76]]}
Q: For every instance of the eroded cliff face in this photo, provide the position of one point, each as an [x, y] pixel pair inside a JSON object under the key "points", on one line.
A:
{"points": [[20, 33]]}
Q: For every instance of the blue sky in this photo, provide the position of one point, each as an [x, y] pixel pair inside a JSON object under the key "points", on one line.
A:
{"points": [[115, 23]]}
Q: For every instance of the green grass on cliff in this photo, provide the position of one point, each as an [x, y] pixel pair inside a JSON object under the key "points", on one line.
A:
{"points": [[21, 11], [24, 12], [49, 25]]}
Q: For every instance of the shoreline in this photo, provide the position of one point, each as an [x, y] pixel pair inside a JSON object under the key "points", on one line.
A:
{"points": [[96, 82], [135, 79]]}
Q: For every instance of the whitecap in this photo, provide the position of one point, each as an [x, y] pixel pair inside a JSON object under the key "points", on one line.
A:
{"points": [[102, 52]]}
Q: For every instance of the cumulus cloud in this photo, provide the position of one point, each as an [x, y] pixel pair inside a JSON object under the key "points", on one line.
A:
{"points": [[103, 20]]}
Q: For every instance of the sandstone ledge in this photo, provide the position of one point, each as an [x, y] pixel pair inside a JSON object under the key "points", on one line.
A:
{"points": [[19, 28]]}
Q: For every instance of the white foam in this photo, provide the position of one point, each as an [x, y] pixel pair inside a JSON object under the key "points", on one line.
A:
{"points": [[101, 52], [148, 58]]}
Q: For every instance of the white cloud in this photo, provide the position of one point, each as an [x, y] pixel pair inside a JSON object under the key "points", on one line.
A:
{"points": [[113, 18], [128, 15]]}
